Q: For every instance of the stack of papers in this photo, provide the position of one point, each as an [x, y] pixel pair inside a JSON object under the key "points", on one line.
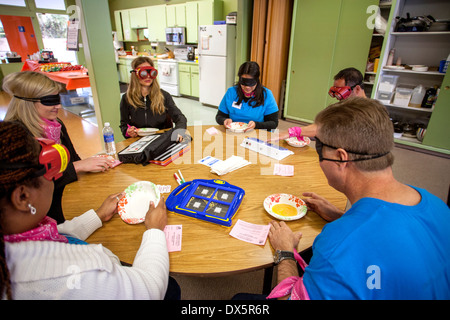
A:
{"points": [[231, 164]]}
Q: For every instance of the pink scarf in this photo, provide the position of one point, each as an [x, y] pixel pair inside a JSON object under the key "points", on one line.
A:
{"points": [[52, 129], [292, 285], [45, 231]]}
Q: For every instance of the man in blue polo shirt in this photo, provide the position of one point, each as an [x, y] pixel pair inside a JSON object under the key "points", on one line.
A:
{"points": [[393, 243]]}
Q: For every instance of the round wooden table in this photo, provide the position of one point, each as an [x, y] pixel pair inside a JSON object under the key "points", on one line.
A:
{"points": [[207, 248]]}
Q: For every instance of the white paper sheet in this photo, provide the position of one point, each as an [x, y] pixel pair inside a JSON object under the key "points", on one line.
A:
{"points": [[249, 232]]}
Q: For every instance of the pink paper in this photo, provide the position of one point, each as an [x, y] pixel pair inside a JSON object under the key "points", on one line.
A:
{"points": [[212, 131], [283, 170], [164, 188], [173, 237], [249, 232]]}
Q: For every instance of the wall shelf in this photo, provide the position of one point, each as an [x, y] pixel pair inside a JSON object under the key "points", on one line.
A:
{"points": [[423, 33], [430, 73], [418, 48]]}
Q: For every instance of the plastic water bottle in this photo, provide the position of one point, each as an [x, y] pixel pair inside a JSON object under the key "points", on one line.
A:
{"points": [[108, 136]]}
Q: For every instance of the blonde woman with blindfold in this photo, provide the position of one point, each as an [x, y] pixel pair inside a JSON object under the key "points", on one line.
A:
{"points": [[145, 104], [35, 103]]}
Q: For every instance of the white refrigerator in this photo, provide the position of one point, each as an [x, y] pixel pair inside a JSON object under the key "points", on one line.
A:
{"points": [[217, 62]]}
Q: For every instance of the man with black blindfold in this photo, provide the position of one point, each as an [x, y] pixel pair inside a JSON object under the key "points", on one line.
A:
{"points": [[249, 102]]}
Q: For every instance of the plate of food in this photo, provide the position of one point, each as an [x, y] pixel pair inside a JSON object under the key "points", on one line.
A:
{"points": [[146, 131], [285, 207], [134, 204], [238, 127], [298, 143]]}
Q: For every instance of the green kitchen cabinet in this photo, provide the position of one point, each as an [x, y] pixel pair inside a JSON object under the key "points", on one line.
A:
{"points": [[322, 43], [195, 82], [138, 18], [118, 21], [185, 83], [124, 70], [209, 11], [123, 77], [128, 33], [192, 22], [156, 23], [189, 79], [176, 15], [200, 13]]}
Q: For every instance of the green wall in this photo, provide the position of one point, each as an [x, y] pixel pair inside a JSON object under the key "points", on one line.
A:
{"points": [[100, 59]]}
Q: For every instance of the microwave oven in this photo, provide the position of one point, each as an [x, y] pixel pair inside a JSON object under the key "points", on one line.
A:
{"points": [[176, 36]]}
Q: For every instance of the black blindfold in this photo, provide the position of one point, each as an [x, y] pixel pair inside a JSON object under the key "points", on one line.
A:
{"points": [[52, 100], [247, 82]]}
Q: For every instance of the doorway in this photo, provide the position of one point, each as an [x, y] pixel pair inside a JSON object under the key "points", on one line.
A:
{"points": [[54, 36]]}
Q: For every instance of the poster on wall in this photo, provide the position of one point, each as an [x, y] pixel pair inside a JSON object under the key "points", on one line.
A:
{"points": [[72, 34]]}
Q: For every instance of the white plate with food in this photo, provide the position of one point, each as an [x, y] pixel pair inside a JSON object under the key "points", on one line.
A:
{"points": [[146, 131], [134, 205], [238, 127], [295, 142], [285, 207]]}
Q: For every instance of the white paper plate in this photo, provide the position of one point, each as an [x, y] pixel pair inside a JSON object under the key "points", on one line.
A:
{"points": [[146, 131], [238, 127], [294, 142], [394, 67], [134, 205], [283, 198]]}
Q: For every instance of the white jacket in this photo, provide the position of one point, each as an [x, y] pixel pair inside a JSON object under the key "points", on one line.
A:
{"points": [[56, 270]]}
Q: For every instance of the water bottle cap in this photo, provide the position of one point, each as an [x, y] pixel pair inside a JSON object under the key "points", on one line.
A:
{"points": [[106, 124]]}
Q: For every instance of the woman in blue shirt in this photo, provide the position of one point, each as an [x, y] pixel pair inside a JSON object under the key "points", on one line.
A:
{"points": [[248, 101]]}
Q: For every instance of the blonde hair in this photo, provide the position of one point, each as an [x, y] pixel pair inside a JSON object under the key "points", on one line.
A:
{"points": [[28, 84], [361, 125], [134, 94]]}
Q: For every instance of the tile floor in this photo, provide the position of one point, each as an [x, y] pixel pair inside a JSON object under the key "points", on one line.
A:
{"points": [[196, 112]]}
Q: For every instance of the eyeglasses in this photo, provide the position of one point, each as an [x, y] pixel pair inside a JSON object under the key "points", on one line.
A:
{"points": [[320, 144], [341, 93], [146, 72], [52, 100]]}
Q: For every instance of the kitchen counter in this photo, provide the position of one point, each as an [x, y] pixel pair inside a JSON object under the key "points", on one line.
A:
{"points": [[188, 62], [129, 57]]}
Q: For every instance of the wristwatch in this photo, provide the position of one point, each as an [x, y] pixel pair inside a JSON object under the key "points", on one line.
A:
{"points": [[282, 255]]}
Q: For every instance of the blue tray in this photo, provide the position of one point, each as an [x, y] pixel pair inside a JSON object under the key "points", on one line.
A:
{"points": [[214, 201]]}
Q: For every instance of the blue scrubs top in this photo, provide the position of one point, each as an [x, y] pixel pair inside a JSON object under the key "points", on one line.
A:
{"points": [[245, 112]]}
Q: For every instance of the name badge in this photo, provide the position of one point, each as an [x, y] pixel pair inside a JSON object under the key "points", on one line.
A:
{"points": [[235, 105]]}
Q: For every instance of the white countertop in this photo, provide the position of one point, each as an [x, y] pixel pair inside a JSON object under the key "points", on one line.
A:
{"points": [[129, 57]]}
